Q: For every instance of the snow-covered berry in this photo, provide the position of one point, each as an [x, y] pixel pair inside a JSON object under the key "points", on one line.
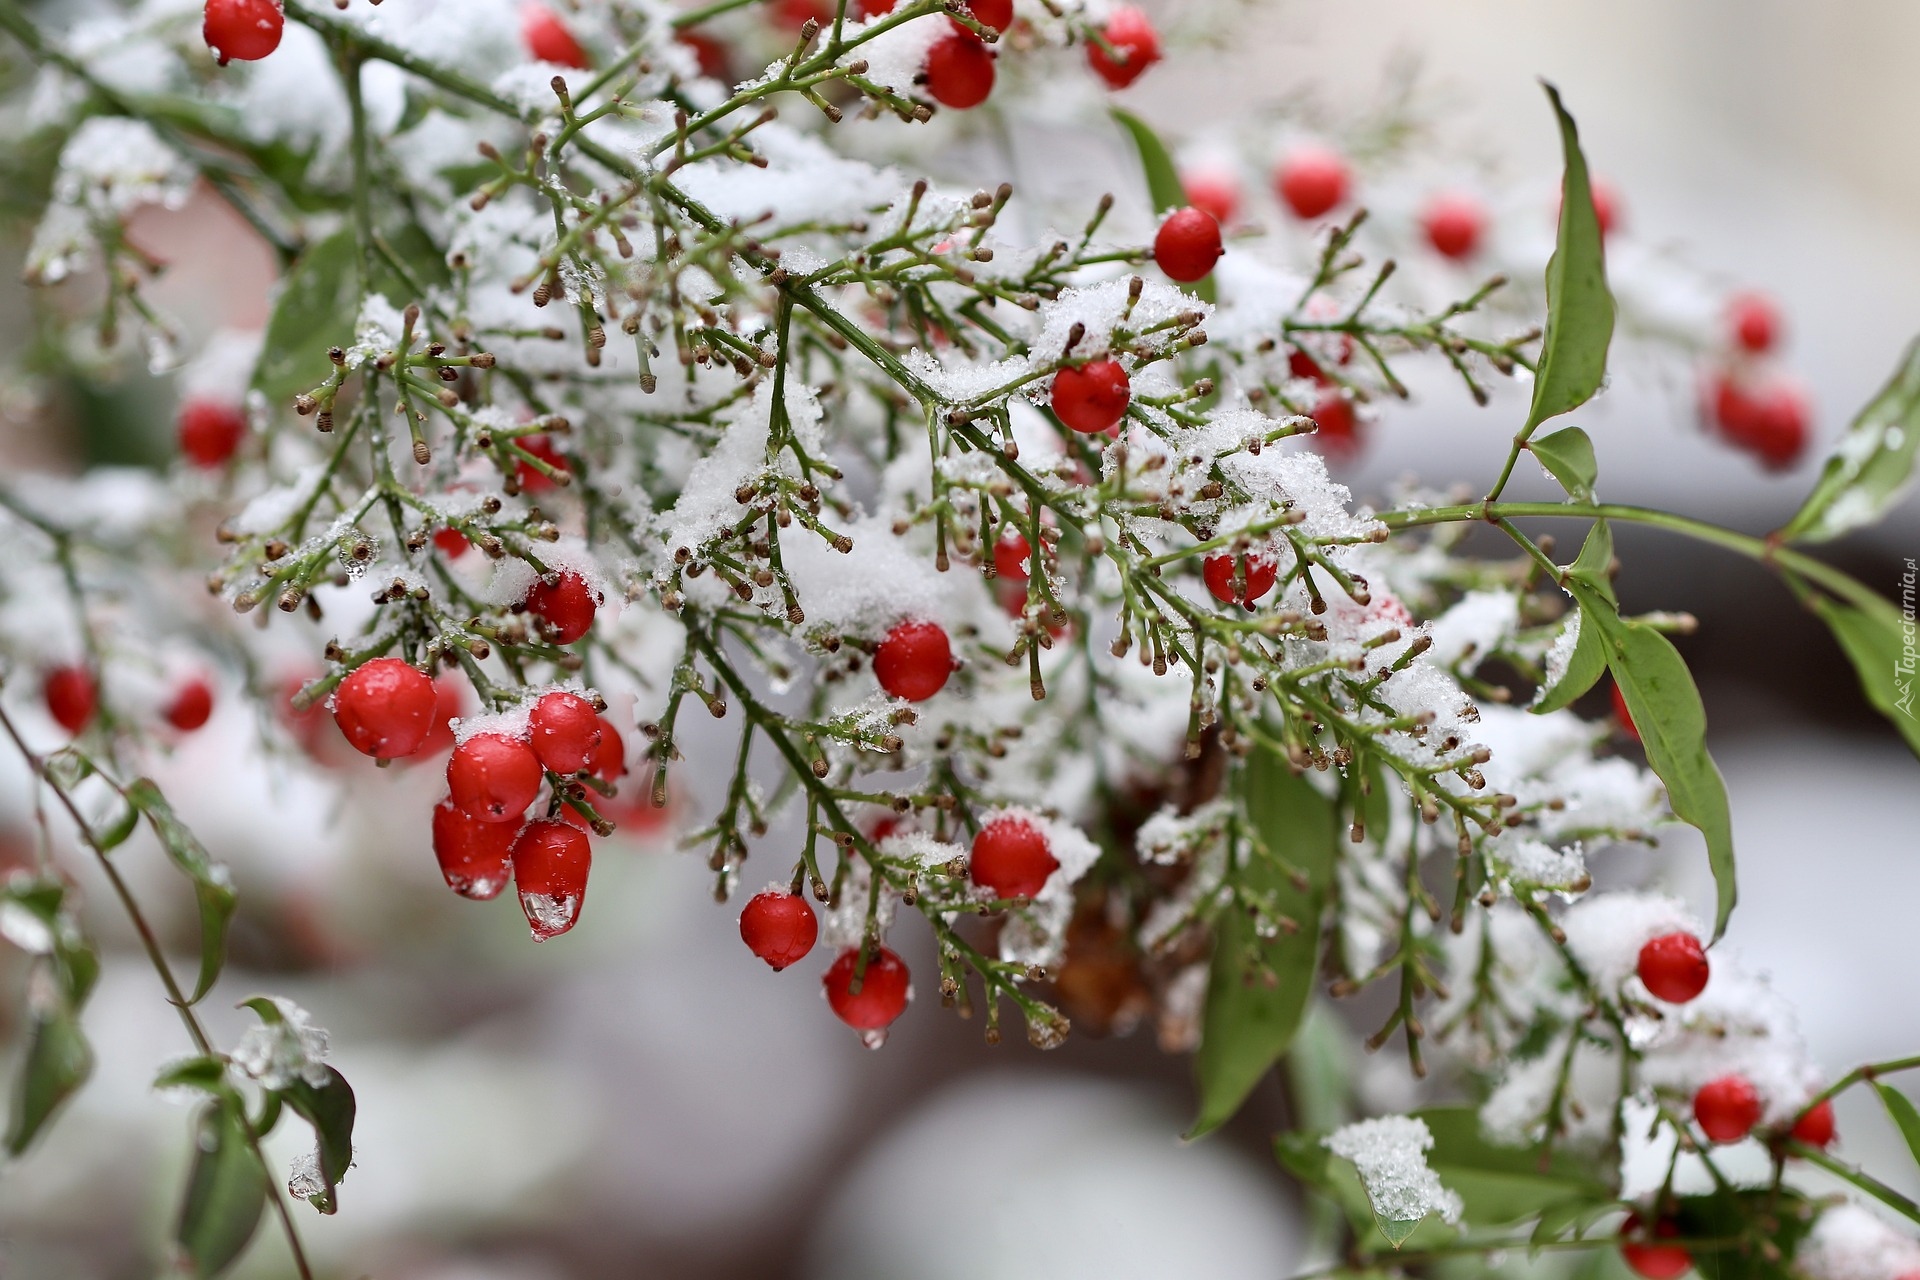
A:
{"points": [[779, 927], [1093, 397], [565, 731], [1011, 857], [914, 660], [385, 708], [493, 777], [568, 604], [1187, 244]]}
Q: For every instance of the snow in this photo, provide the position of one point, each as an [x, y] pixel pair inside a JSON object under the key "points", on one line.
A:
{"points": [[278, 1053], [1390, 1153]]}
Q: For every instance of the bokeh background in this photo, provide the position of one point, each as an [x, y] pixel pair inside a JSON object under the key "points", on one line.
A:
{"points": [[643, 1098]]}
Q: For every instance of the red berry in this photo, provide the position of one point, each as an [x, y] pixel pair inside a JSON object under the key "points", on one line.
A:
{"points": [[1257, 576], [959, 70], [914, 661], [1815, 1126], [1606, 206], [1779, 431], [710, 53], [1624, 716], [1217, 193], [547, 38], [779, 928], [550, 865], [1128, 45], [609, 761], [210, 432], [529, 477], [1012, 858], [245, 29], [475, 857], [451, 543], [876, 8], [793, 14], [1188, 244], [997, 14], [1674, 967], [1011, 555], [1453, 224], [1654, 1261], [72, 697], [1727, 1108], [567, 604], [1302, 365], [493, 777], [1754, 321], [565, 731], [449, 703], [191, 707], [884, 990], [1312, 181], [385, 708], [1093, 397], [1339, 433]]}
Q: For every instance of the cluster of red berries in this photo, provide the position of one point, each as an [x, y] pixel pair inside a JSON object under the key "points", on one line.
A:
{"points": [[72, 698], [1748, 404]]}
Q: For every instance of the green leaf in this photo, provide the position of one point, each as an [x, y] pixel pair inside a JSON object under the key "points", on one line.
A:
{"points": [[1594, 565], [1395, 1230], [1672, 721], [1584, 668], [1249, 1024], [1164, 187], [209, 1075], [1568, 455], [1499, 1185], [1901, 1108], [116, 833], [1575, 1214], [315, 309], [330, 1110], [212, 885], [57, 1062], [1873, 466], [226, 1190], [1876, 641], [1573, 353]]}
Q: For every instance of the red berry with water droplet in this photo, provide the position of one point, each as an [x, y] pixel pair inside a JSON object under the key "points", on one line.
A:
{"points": [[959, 72], [210, 432], [385, 708], [1239, 579], [778, 927], [914, 661], [476, 858], [885, 988], [1188, 244], [1674, 967], [567, 603], [1454, 224], [493, 777], [1754, 322], [565, 731], [244, 29], [1128, 45], [1093, 397], [72, 697], [550, 865], [1653, 1261], [1312, 181], [1012, 858], [547, 38], [191, 705], [1727, 1108], [1815, 1126]]}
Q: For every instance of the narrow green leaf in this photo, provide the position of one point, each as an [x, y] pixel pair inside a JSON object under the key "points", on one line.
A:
{"points": [[315, 309], [1666, 709], [1499, 1185], [1594, 565], [116, 833], [1877, 642], [1568, 455], [1873, 466], [1901, 1108], [212, 885], [226, 1191], [57, 1062], [1249, 1024], [330, 1109], [209, 1075], [1585, 666], [1164, 187], [1573, 352]]}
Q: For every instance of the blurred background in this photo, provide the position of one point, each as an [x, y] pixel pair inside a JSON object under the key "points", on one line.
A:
{"points": [[647, 1100]]}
